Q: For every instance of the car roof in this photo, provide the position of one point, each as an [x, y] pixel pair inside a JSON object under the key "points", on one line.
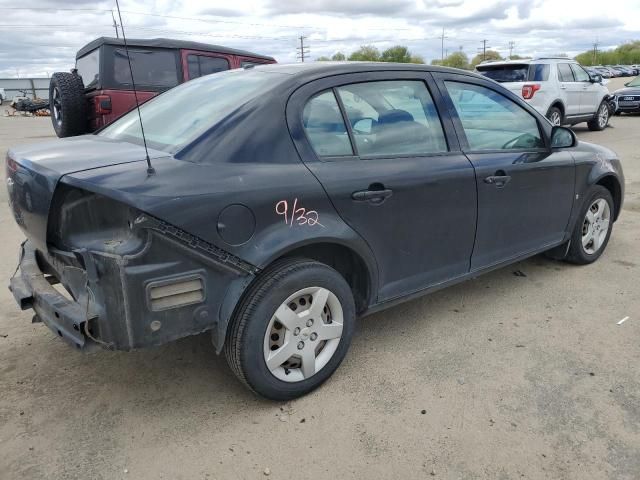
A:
{"points": [[312, 70], [168, 43]]}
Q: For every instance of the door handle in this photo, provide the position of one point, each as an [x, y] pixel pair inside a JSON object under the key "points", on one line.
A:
{"points": [[498, 180], [373, 196]]}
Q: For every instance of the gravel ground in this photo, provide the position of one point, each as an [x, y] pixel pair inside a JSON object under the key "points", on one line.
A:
{"points": [[501, 377]]}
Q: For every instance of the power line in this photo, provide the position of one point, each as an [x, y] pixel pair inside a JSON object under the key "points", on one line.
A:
{"points": [[115, 24], [484, 49], [511, 47], [303, 50]]}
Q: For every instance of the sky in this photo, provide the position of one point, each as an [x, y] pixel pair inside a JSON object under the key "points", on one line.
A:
{"points": [[39, 37]]}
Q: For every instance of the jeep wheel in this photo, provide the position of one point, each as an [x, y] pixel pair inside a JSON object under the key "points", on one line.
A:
{"points": [[601, 119], [292, 330], [68, 104], [555, 116]]}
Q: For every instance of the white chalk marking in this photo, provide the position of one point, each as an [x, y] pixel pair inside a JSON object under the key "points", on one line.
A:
{"points": [[623, 320]]}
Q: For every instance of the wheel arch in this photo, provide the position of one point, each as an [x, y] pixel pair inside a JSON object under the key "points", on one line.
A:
{"points": [[611, 183], [559, 105], [358, 269]]}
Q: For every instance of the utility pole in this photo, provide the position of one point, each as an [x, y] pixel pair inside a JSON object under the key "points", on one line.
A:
{"points": [[511, 46], [595, 52], [303, 51], [442, 37], [484, 50], [115, 25]]}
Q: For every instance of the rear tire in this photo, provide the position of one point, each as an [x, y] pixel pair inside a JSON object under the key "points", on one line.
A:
{"points": [[601, 119], [593, 228], [297, 311], [68, 104], [555, 116]]}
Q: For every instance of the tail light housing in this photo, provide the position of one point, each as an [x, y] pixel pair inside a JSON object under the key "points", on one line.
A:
{"points": [[529, 90], [103, 104]]}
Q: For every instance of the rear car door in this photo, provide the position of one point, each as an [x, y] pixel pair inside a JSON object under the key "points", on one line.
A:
{"points": [[571, 88], [525, 189], [591, 95], [378, 146]]}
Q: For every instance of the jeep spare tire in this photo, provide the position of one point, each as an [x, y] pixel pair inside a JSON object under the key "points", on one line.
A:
{"points": [[68, 104]]}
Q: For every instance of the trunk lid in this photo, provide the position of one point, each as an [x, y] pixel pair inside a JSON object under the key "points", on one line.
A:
{"points": [[33, 171]]}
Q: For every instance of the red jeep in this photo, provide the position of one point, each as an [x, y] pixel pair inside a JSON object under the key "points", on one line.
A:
{"points": [[99, 89]]}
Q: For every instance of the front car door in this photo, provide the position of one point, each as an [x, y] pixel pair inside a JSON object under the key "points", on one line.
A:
{"points": [[591, 92], [378, 145], [525, 189]]}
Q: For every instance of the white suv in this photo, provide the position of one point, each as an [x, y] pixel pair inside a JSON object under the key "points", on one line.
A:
{"points": [[559, 88]]}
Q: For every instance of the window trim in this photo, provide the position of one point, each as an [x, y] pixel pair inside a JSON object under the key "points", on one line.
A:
{"points": [[462, 136]]}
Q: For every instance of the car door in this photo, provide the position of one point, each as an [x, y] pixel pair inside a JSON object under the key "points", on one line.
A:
{"points": [[571, 89], [377, 144], [525, 189], [591, 95]]}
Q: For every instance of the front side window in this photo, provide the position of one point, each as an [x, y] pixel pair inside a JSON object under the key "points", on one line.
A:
{"points": [[151, 68], [200, 65], [492, 121], [325, 126], [89, 68], [580, 74], [393, 118], [564, 73]]}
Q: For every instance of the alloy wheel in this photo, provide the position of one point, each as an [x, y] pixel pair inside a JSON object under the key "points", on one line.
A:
{"points": [[596, 226], [303, 334], [57, 106], [555, 119], [603, 116]]}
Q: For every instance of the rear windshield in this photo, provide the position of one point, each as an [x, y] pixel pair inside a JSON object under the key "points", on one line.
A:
{"points": [[89, 68], [180, 115], [535, 72]]}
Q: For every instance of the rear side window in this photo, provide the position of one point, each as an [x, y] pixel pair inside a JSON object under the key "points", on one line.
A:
{"points": [[564, 73], [492, 121], [151, 68], [200, 65], [89, 68], [393, 118], [536, 72], [325, 126]]}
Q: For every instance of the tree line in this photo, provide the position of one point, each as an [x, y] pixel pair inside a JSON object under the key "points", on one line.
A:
{"points": [[625, 54]]}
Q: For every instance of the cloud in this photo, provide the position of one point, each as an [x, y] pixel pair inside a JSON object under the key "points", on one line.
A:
{"points": [[340, 7]]}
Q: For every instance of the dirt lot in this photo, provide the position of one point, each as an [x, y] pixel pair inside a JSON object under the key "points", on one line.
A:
{"points": [[517, 376]]}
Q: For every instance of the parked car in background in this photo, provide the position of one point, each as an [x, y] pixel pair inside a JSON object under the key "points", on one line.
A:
{"points": [[287, 200], [627, 99], [99, 90], [604, 71], [558, 88], [3, 95]]}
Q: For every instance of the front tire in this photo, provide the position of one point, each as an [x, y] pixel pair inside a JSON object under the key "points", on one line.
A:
{"points": [[292, 329], [601, 119], [593, 228]]}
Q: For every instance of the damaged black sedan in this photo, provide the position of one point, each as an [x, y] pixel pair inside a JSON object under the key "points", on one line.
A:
{"points": [[286, 201]]}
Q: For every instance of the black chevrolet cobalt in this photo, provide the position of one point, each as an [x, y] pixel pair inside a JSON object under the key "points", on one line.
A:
{"points": [[286, 201]]}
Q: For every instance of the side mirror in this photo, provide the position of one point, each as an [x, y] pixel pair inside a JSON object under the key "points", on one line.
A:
{"points": [[627, 84], [596, 78], [562, 137]]}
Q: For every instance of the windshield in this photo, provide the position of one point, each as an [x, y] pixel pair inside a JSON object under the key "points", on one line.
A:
{"points": [[521, 72], [182, 114], [634, 83]]}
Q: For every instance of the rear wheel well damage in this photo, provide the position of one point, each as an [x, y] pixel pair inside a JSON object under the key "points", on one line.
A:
{"points": [[610, 183]]}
